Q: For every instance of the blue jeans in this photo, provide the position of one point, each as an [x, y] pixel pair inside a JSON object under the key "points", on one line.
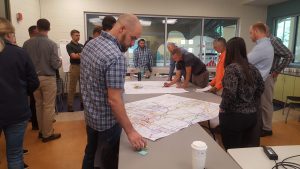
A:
{"points": [[107, 142], [172, 68], [14, 137]]}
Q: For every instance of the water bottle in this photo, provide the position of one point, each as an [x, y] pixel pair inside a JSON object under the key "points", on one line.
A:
{"points": [[139, 74], [142, 72]]}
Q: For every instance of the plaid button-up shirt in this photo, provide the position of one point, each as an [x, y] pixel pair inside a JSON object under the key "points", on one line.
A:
{"points": [[103, 66], [282, 55], [142, 57]]}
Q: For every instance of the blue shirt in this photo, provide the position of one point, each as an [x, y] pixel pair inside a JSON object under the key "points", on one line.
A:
{"points": [[102, 66], [262, 56]]}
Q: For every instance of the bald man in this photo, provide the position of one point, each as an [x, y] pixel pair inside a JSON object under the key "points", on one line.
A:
{"points": [[261, 56], [103, 68]]}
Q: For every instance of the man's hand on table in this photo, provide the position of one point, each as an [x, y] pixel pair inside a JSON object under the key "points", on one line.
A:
{"points": [[136, 140], [182, 85], [166, 84], [213, 89]]}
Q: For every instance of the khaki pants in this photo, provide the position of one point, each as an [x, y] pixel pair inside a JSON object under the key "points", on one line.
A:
{"points": [[45, 104], [74, 78], [201, 80], [267, 103]]}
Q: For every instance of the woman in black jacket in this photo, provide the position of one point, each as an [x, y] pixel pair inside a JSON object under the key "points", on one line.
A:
{"points": [[17, 79], [242, 89]]}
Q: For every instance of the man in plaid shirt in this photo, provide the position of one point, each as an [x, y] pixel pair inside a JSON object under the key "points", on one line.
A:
{"points": [[103, 69], [282, 57], [142, 58]]}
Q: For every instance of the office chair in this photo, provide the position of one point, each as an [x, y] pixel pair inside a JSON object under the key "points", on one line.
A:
{"points": [[293, 102]]}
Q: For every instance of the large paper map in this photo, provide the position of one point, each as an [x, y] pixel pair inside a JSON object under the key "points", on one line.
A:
{"points": [[150, 87], [161, 116]]}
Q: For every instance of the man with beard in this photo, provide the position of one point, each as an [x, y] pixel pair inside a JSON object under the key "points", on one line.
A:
{"points": [[103, 69]]}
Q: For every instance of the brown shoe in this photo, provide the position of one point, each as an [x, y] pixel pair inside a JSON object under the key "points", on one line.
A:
{"points": [[54, 136]]}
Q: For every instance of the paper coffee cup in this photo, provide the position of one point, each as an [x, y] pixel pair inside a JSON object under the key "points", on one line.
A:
{"points": [[198, 154]]}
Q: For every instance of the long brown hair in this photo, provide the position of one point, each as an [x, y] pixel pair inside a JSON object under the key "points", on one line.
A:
{"points": [[236, 53], [5, 28]]}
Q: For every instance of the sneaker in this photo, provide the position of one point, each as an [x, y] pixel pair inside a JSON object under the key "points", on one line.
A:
{"points": [[26, 166], [70, 109], [54, 136], [265, 133]]}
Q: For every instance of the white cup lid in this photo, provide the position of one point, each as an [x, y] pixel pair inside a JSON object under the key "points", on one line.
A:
{"points": [[199, 145]]}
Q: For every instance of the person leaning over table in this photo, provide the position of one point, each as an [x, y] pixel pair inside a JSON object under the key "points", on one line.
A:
{"points": [[194, 68], [243, 86]]}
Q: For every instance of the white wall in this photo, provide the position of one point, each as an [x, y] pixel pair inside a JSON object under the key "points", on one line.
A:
{"points": [[31, 13], [65, 15]]}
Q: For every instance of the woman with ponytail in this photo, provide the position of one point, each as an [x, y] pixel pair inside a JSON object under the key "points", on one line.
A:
{"points": [[17, 79]]}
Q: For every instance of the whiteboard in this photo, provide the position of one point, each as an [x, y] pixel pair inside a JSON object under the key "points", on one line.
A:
{"points": [[64, 55]]}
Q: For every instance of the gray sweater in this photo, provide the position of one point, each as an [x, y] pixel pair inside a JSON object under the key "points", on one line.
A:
{"points": [[44, 55]]}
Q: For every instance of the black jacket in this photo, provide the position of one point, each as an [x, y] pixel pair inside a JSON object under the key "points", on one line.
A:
{"points": [[17, 79]]}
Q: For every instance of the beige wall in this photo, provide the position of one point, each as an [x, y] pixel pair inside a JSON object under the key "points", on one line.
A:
{"points": [[31, 13], [68, 14], [65, 15], [2, 9]]}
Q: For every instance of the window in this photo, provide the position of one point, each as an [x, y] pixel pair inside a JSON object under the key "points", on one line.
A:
{"points": [[215, 28], [286, 31], [297, 50], [93, 20], [195, 34], [186, 33], [154, 35]]}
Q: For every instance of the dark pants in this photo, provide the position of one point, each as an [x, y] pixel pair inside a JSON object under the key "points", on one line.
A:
{"points": [[107, 143], [34, 122], [149, 67], [238, 130]]}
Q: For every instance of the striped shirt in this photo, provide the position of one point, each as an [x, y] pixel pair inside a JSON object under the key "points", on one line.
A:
{"points": [[103, 66]]}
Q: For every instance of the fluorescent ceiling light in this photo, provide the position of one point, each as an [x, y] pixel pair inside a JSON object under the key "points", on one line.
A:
{"points": [[145, 23], [170, 21], [190, 50], [191, 41], [182, 42]]}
